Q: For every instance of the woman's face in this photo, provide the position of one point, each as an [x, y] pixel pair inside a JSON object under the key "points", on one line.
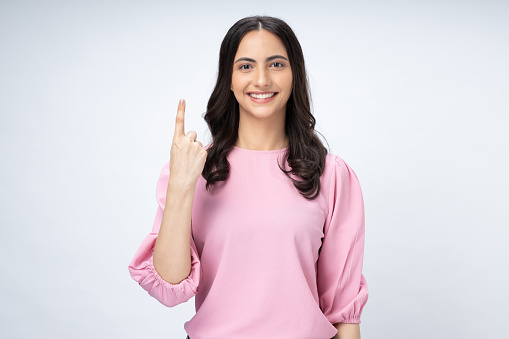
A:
{"points": [[261, 66]]}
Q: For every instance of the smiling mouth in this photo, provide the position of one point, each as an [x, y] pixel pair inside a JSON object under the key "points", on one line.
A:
{"points": [[262, 96]]}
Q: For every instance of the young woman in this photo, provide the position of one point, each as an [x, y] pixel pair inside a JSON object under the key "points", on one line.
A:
{"points": [[263, 225]]}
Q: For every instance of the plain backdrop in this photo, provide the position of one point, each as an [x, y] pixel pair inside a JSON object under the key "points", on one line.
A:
{"points": [[413, 95]]}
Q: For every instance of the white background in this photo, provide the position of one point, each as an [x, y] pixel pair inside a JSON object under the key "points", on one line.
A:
{"points": [[413, 95]]}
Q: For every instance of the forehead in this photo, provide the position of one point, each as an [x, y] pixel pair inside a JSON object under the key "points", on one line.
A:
{"points": [[262, 43]]}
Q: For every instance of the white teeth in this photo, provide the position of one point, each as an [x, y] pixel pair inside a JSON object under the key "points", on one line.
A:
{"points": [[261, 96]]}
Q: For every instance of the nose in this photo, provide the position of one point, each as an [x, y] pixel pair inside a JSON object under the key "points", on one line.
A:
{"points": [[262, 77]]}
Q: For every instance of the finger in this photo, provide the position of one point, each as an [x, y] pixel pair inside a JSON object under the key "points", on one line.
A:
{"points": [[192, 136], [179, 122]]}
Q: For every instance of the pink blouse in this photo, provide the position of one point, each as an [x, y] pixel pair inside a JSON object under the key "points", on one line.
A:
{"points": [[266, 262]]}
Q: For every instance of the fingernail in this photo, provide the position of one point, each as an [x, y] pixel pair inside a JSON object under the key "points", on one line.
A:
{"points": [[181, 102]]}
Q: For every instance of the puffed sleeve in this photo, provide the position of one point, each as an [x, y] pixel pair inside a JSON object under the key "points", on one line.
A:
{"points": [[142, 268], [342, 288]]}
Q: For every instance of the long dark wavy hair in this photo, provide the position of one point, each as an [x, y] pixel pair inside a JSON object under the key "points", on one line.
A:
{"points": [[305, 154]]}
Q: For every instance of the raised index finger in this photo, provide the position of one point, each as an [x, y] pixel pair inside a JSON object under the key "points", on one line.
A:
{"points": [[179, 122]]}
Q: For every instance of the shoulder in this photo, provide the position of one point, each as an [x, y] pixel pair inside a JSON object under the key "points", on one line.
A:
{"points": [[337, 171], [333, 163]]}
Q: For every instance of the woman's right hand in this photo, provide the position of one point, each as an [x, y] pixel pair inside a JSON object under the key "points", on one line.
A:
{"points": [[187, 155]]}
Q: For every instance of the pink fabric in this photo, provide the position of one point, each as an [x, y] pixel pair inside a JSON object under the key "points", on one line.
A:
{"points": [[267, 262]]}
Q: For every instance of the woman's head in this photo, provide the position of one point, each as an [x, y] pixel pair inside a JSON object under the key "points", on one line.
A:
{"points": [[262, 77], [306, 153], [226, 99]]}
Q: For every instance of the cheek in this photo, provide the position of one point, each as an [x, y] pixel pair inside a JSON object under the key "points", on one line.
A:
{"points": [[287, 82], [288, 85], [237, 84]]}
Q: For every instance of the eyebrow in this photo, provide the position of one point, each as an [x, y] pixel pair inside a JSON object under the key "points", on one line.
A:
{"points": [[266, 60]]}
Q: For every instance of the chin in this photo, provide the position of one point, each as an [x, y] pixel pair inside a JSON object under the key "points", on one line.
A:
{"points": [[262, 113]]}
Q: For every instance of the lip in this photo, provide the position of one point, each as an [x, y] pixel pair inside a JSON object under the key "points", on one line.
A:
{"points": [[261, 92], [262, 101]]}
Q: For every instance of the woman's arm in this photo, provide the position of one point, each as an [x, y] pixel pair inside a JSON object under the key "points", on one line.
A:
{"points": [[170, 230], [347, 331]]}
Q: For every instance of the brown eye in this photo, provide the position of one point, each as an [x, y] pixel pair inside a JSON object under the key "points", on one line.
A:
{"points": [[241, 67], [278, 63]]}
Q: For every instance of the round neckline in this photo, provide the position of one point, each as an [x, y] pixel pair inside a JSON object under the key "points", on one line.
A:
{"points": [[257, 151]]}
